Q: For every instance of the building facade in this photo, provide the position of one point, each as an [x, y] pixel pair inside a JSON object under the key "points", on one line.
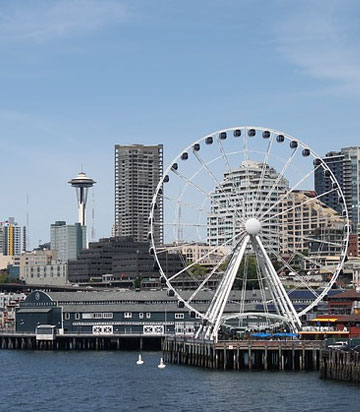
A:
{"points": [[67, 240], [12, 238], [346, 167], [307, 218], [121, 257], [241, 193], [129, 313], [138, 170]]}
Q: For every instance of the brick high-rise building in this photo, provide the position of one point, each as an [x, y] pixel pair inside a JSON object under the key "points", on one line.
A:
{"points": [[138, 169]]}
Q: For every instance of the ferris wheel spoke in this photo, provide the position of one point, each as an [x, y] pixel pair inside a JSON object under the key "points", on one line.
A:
{"points": [[223, 154], [277, 181], [217, 183], [276, 300], [244, 283], [289, 192], [207, 278], [315, 221], [191, 183], [262, 281], [283, 234], [178, 247], [297, 253], [299, 205], [188, 204], [205, 256], [261, 180], [291, 269], [181, 224]]}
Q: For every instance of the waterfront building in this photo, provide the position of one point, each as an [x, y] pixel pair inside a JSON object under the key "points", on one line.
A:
{"points": [[131, 313], [243, 192], [12, 238], [138, 169], [346, 167], [121, 257], [67, 240]]}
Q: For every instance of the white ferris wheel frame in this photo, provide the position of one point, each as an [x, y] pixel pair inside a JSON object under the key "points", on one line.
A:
{"points": [[214, 316]]}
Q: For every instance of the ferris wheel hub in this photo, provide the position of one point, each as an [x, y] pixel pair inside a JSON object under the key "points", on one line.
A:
{"points": [[253, 226]]}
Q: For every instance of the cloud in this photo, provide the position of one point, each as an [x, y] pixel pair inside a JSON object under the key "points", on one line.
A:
{"points": [[43, 20], [320, 40]]}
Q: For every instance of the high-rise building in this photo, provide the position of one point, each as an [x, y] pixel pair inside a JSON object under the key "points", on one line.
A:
{"points": [[138, 169], [12, 238], [67, 240], [242, 193], [346, 167]]}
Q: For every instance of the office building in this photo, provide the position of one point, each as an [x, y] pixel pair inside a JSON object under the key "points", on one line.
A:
{"points": [[67, 240], [12, 238], [346, 168], [121, 257], [138, 170]]}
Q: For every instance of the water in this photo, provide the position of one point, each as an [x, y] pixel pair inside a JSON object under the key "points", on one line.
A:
{"points": [[111, 381]]}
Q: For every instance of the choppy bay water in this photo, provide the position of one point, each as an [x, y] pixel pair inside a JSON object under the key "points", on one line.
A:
{"points": [[111, 381]]}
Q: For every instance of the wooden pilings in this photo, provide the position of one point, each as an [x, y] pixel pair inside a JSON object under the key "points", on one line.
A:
{"points": [[80, 342], [236, 355], [340, 365]]}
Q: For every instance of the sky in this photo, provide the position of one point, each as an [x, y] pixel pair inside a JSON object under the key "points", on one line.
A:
{"points": [[79, 76]]}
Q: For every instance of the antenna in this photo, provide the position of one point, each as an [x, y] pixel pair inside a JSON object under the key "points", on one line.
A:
{"points": [[180, 233], [27, 240], [93, 217]]}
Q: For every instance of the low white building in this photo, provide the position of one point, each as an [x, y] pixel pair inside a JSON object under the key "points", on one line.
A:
{"points": [[53, 273]]}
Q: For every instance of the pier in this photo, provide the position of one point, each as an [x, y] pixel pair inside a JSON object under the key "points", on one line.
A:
{"points": [[340, 365], [74, 341], [244, 354]]}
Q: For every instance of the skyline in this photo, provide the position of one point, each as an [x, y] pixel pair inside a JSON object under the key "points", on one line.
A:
{"points": [[78, 77]]}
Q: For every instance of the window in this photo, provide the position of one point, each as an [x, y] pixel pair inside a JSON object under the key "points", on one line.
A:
{"points": [[66, 316], [97, 315], [77, 316], [148, 315], [179, 316], [127, 315], [108, 315], [141, 315]]}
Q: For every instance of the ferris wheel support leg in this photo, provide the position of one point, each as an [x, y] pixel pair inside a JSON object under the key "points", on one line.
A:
{"points": [[275, 293], [220, 299], [281, 292]]}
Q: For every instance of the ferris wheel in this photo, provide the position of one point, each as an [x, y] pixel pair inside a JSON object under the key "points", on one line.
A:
{"points": [[239, 210]]}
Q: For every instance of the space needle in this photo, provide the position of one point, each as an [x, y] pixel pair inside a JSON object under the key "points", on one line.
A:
{"points": [[82, 183]]}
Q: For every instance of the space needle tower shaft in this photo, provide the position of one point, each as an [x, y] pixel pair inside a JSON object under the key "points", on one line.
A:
{"points": [[82, 183]]}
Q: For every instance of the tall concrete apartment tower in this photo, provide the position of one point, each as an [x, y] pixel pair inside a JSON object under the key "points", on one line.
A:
{"points": [[346, 167], [138, 169]]}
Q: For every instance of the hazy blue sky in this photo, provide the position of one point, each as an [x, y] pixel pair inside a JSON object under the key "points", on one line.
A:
{"points": [[78, 76]]}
